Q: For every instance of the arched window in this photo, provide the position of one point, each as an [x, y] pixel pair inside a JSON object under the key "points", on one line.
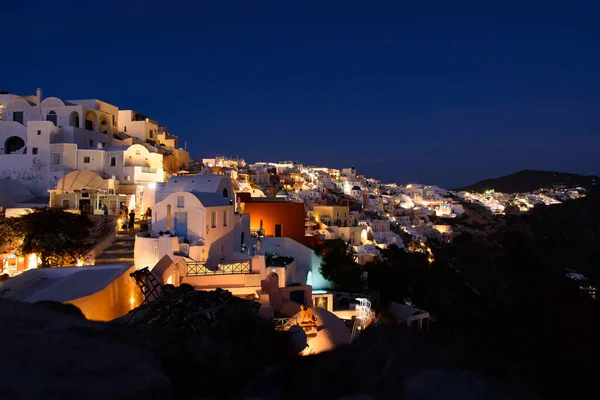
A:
{"points": [[74, 119], [90, 121], [225, 193], [13, 144], [52, 117], [104, 126]]}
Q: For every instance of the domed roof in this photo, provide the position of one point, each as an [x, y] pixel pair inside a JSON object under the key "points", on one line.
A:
{"points": [[331, 332], [372, 196], [356, 188]]}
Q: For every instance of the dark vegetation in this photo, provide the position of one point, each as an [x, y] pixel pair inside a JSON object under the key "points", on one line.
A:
{"points": [[500, 293], [338, 265], [58, 237], [531, 180], [500, 290]]}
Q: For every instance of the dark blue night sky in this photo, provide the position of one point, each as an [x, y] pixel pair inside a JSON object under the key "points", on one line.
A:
{"points": [[436, 91]]}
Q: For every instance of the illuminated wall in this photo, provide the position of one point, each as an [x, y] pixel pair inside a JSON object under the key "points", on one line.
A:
{"points": [[114, 301], [289, 215]]}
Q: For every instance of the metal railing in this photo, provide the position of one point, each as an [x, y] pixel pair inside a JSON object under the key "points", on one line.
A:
{"points": [[149, 170], [282, 324], [226, 268]]}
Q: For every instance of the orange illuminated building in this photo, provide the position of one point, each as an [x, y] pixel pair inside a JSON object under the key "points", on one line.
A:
{"points": [[276, 217]]}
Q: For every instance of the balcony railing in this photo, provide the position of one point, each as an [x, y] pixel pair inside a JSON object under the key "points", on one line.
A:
{"points": [[226, 268], [148, 170], [283, 324]]}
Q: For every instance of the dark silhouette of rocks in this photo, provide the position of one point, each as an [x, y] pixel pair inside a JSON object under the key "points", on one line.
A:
{"points": [[49, 354]]}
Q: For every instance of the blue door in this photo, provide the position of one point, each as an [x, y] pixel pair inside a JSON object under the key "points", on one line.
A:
{"points": [[181, 224]]}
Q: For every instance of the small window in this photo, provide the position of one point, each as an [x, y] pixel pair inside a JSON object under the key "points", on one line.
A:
{"points": [[224, 218], [34, 150], [18, 116], [39, 132], [180, 201], [52, 117], [113, 161], [66, 204], [56, 158], [91, 143], [86, 160], [213, 219]]}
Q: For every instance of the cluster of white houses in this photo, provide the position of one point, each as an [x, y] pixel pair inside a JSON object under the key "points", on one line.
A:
{"points": [[45, 144], [88, 156]]}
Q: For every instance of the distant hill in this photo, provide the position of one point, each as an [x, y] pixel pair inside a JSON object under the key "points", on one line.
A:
{"points": [[530, 180]]}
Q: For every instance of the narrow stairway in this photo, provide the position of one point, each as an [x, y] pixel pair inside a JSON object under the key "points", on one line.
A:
{"points": [[120, 252]]}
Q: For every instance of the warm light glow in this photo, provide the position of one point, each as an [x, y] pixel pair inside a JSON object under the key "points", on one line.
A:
{"points": [[132, 202], [132, 301], [152, 185], [80, 262]]}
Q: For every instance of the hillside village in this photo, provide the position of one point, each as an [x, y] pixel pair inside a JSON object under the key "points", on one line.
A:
{"points": [[208, 224]]}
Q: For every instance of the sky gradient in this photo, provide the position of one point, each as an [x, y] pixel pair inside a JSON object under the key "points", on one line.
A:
{"points": [[435, 93]]}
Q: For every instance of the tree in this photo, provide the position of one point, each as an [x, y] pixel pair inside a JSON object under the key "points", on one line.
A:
{"points": [[396, 273], [56, 236], [338, 265]]}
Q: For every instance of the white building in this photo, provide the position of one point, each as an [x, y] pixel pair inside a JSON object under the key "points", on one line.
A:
{"points": [[43, 139], [197, 211]]}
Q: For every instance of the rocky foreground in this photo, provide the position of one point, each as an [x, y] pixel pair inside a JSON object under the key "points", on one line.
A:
{"points": [[51, 352]]}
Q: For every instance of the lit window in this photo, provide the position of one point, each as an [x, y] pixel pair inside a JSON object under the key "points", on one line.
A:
{"points": [[180, 202], [86, 160]]}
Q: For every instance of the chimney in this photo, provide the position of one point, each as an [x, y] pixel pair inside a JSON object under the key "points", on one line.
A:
{"points": [[39, 96]]}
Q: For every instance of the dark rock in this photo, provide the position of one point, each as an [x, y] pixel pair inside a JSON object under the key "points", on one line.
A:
{"points": [[52, 355], [387, 363], [68, 309]]}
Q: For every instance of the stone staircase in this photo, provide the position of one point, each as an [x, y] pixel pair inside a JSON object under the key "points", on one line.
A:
{"points": [[120, 252]]}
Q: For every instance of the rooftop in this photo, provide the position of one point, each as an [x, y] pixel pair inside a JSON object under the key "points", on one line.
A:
{"points": [[211, 199], [62, 284]]}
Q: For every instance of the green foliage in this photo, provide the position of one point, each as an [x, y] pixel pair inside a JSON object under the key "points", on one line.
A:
{"points": [[58, 237], [338, 266]]}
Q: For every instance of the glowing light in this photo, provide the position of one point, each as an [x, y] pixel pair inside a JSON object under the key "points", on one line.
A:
{"points": [[80, 262], [132, 301], [132, 202], [152, 185]]}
